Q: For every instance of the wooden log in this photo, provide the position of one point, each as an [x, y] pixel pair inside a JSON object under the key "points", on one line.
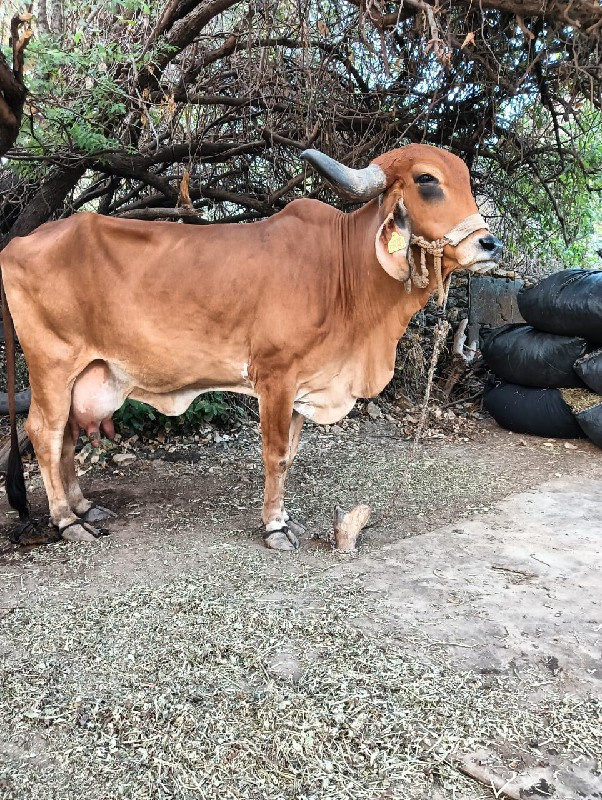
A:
{"points": [[462, 357], [480, 773], [347, 527]]}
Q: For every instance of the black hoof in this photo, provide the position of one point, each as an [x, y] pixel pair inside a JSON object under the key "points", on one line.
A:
{"points": [[79, 531], [97, 514], [33, 532], [284, 539], [296, 528]]}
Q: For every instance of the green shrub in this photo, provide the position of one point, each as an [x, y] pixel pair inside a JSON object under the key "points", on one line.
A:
{"points": [[142, 418]]}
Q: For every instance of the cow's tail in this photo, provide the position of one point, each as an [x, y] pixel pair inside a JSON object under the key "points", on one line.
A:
{"points": [[15, 480]]}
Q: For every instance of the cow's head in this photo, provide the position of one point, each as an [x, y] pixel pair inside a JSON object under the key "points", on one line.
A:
{"points": [[425, 192]]}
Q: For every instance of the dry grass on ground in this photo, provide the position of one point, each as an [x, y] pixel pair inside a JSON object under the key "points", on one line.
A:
{"points": [[178, 659], [213, 688]]}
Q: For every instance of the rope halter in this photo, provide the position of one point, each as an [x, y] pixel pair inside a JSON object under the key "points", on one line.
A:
{"points": [[419, 276]]}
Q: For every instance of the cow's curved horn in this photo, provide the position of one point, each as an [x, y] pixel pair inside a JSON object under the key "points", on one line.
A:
{"points": [[359, 185]]}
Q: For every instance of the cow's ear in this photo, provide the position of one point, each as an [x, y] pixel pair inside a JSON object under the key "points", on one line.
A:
{"points": [[393, 243]]}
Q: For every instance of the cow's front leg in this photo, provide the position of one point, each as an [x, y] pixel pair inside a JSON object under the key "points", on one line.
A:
{"points": [[275, 414], [294, 435]]}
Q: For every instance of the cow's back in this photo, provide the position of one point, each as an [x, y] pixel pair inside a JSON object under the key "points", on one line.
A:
{"points": [[132, 292]]}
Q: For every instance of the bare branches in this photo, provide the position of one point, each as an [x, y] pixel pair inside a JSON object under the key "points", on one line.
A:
{"points": [[231, 92], [582, 14], [182, 33], [165, 20], [12, 86]]}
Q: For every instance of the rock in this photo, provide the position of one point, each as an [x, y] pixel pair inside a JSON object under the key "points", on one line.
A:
{"points": [[285, 665], [373, 410], [123, 458]]}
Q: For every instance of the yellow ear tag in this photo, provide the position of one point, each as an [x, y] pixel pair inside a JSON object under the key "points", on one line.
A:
{"points": [[396, 242]]}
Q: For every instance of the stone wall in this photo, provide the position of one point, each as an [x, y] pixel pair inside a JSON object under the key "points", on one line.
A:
{"points": [[485, 301]]}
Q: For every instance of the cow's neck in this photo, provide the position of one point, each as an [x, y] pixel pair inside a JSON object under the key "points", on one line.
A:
{"points": [[381, 306], [383, 301]]}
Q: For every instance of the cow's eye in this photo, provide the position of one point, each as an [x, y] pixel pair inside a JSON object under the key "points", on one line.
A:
{"points": [[426, 178]]}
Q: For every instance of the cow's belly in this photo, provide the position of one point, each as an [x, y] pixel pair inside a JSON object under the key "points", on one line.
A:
{"points": [[102, 388], [172, 404]]}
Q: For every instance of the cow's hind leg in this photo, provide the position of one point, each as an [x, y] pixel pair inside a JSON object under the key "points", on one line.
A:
{"points": [[45, 427], [86, 509], [275, 411], [96, 394]]}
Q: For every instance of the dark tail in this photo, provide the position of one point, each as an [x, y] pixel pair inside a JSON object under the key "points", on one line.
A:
{"points": [[15, 482]]}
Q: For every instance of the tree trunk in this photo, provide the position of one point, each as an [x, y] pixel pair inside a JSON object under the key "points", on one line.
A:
{"points": [[12, 88], [42, 18], [56, 16], [47, 201]]}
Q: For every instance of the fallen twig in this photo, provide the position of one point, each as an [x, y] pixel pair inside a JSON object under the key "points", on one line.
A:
{"points": [[500, 568], [482, 775]]}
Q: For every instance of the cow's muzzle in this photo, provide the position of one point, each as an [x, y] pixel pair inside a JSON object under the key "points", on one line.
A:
{"points": [[489, 250], [476, 248], [492, 246]]}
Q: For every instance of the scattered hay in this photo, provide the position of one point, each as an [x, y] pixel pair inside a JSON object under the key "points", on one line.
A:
{"points": [[213, 688], [580, 399], [460, 425]]}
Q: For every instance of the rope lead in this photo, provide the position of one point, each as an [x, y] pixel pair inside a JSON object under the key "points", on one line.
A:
{"points": [[420, 278]]}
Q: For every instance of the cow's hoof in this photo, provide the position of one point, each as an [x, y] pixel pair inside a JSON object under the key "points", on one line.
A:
{"points": [[283, 539], [76, 532], [97, 514], [296, 528], [34, 532]]}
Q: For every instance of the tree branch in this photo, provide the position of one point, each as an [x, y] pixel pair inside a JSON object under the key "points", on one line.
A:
{"points": [[12, 87]]}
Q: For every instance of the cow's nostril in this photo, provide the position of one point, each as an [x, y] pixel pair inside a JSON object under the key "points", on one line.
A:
{"points": [[490, 243]]}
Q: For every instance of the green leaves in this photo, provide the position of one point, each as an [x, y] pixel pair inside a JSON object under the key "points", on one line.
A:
{"points": [[551, 205], [76, 92], [139, 417]]}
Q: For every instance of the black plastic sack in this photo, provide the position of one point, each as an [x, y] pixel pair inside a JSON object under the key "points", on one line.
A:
{"points": [[589, 369], [590, 422], [520, 354], [540, 412], [568, 303]]}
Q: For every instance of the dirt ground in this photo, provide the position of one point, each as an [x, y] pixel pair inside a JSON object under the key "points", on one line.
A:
{"points": [[457, 655]]}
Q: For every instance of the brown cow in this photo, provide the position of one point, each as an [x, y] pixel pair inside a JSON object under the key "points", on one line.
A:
{"points": [[302, 310]]}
